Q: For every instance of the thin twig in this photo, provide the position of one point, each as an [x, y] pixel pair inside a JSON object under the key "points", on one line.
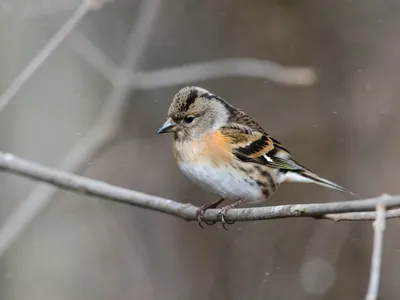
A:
{"points": [[42, 195], [165, 77], [363, 216], [47, 50], [375, 274], [97, 138], [90, 187], [93, 55], [185, 74], [224, 68]]}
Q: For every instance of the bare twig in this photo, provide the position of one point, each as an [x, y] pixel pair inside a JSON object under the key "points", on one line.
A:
{"points": [[195, 72], [223, 68], [86, 186], [93, 55], [97, 138], [379, 228], [42, 195], [364, 216], [47, 50]]}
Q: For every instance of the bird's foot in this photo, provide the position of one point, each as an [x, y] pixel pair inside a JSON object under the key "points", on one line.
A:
{"points": [[222, 213], [202, 209]]}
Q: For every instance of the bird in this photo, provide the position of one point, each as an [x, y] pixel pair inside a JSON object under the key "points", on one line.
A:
{"points": [[223, 150]]}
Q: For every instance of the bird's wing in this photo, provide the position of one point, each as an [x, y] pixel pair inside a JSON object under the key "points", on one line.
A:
{"points": [[251, 145]]}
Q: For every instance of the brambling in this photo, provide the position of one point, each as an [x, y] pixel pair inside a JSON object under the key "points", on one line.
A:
{"points": [[222, 149]]}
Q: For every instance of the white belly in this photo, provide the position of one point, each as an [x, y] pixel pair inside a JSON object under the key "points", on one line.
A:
{"points": [[227, 183]]}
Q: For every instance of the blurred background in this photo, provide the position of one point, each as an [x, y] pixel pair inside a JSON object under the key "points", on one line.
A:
{"points": [[89, 109]]}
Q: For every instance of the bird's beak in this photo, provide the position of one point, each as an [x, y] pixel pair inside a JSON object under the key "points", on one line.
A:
{"points": [[168, 126]]}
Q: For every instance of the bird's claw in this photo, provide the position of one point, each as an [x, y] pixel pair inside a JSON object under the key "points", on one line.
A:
{"points": [[202, 209], [222, 216], [200, 216]]}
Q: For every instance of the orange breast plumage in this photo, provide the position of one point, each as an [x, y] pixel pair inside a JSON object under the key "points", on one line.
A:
{"points": [[209, 163]]}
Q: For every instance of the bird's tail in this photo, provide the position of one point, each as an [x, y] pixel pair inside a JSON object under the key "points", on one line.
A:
{"points": [[307, 176]]}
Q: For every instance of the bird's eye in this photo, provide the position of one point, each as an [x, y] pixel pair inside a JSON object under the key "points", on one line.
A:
{"points": [[188, 119]]}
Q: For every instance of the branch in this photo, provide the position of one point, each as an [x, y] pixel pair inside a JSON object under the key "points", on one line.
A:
{"points": [[46, 51], [185, 74], [93, 55], [379, 228], [98, 137], [245, 67], [90, 187], [362, 216]]}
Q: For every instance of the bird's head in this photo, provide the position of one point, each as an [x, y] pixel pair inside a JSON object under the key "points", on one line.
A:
{"points": [[195, 112]]}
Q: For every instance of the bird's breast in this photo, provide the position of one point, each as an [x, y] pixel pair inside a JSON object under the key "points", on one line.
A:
{"points": [[210, 164], [214, 148]]}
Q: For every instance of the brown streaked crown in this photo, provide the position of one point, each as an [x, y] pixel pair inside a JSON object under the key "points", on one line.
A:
{"points": [[191, 96]]}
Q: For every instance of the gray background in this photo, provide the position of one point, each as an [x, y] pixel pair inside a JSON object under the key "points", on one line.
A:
{"points": [[344, 127]]}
